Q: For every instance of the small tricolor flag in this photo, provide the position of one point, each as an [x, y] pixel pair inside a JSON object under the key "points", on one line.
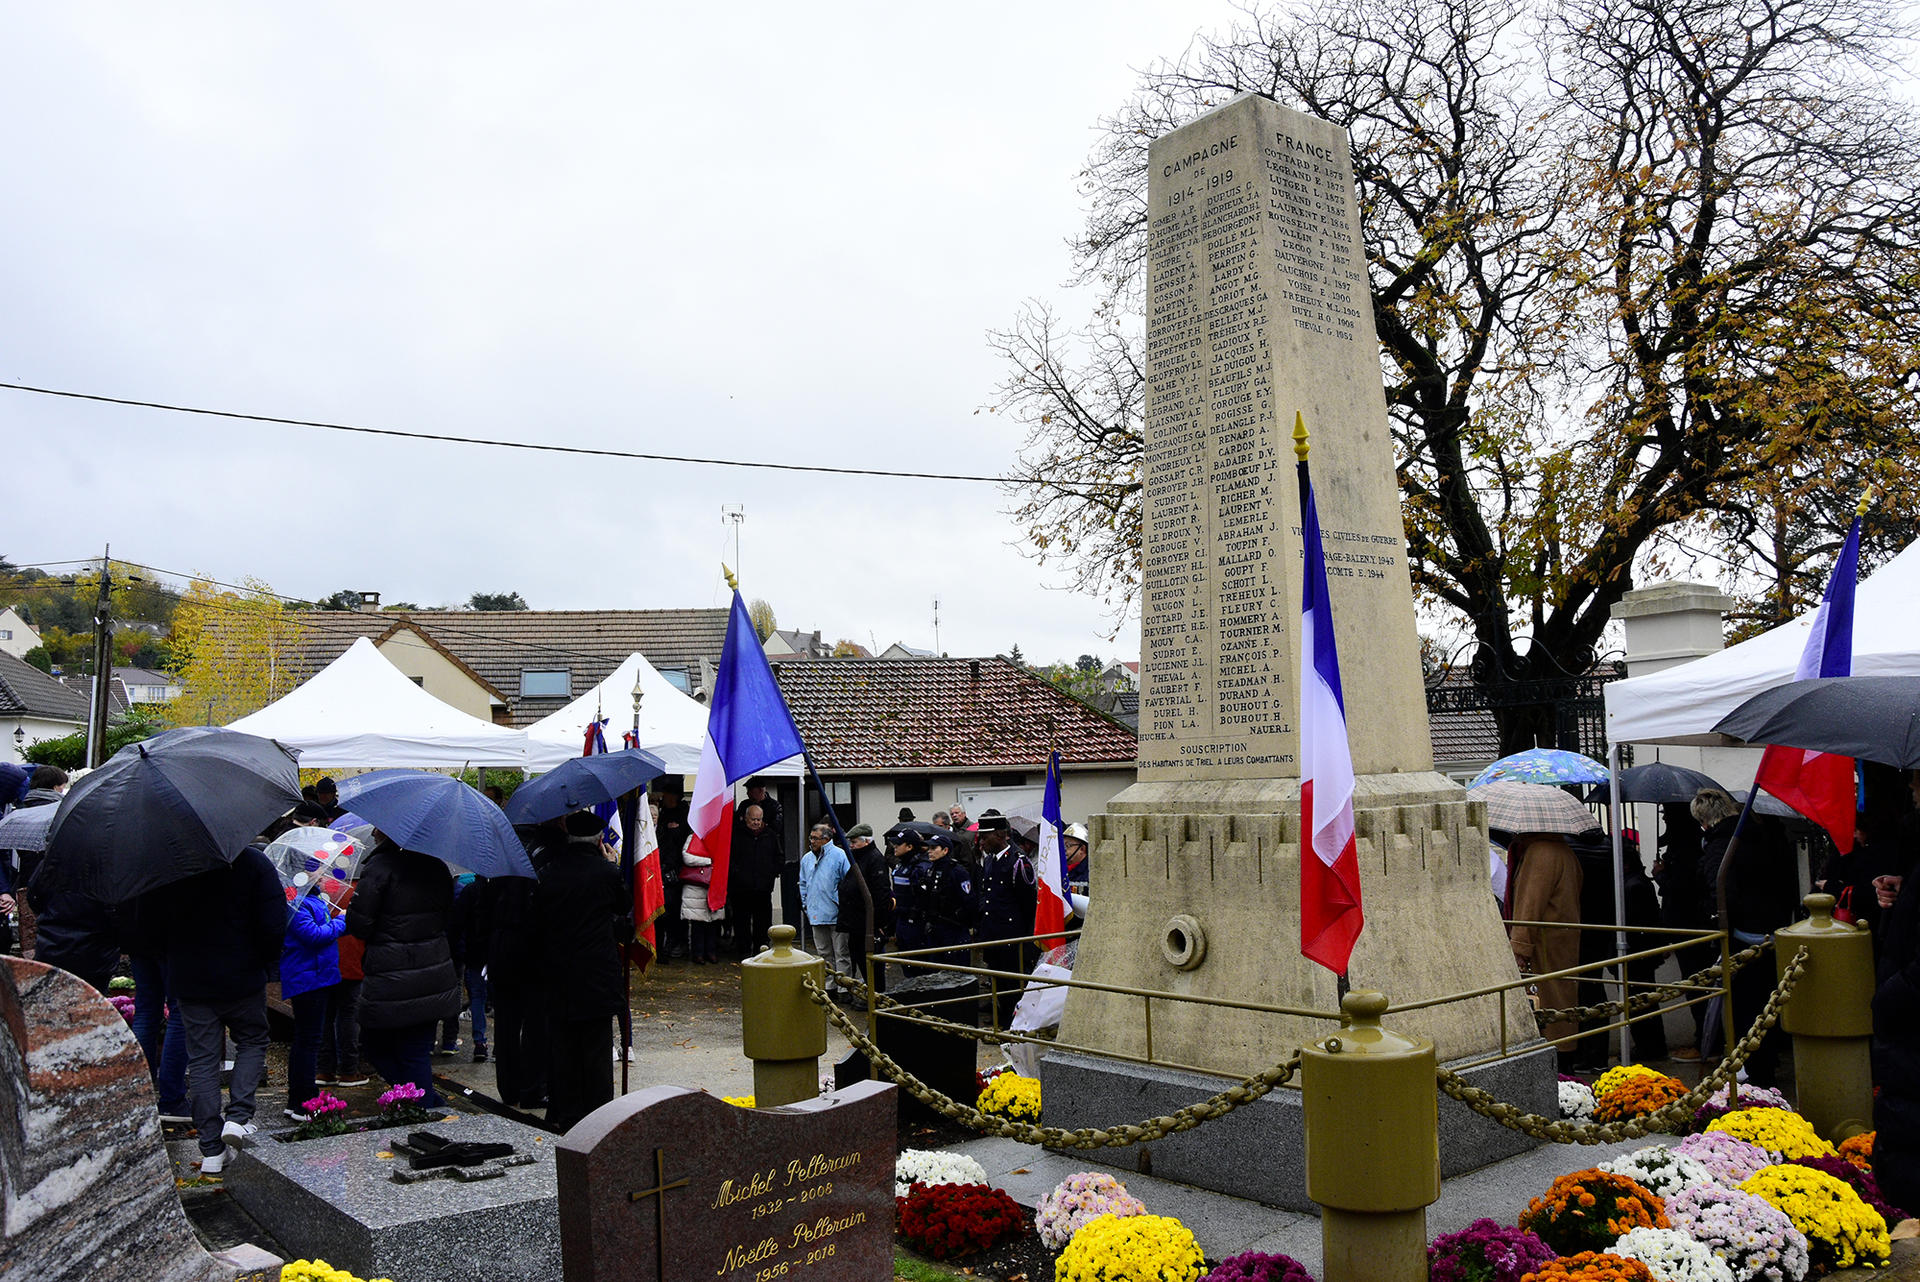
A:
{"points": [[1330, 916], [649, 886], [1820, 784], [748, 729], [1050, 907]]}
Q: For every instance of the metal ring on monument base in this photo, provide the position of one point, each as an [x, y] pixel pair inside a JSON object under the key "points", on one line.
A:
{"points": [[1182, 942]]}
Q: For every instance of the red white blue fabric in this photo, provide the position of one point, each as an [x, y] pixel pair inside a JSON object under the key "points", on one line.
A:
{"points": [[1820, 785], [748, 729], [1050, 906], [1330, 913]]}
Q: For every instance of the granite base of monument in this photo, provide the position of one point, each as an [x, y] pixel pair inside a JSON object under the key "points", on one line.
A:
{"points": [[1258, 1151], [336, 1199]]}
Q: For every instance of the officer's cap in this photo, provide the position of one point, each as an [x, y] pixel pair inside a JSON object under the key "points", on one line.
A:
{"points": [[941, 840]]}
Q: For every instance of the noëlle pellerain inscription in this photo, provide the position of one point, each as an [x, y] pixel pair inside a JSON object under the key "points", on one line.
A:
{"points": [[769, 1197]]}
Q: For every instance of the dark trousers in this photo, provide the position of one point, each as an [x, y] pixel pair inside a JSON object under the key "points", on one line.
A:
{"points": [[162, 1033], [858, 947], [340, 1031], [1013, 957], [404, 1055], [580, 1070], [477, 1004], [702, 940], [1752, 985], [519, 1045], [303, 1056], [754, 919], [667, 928], [790, 908], [207, 1024]]}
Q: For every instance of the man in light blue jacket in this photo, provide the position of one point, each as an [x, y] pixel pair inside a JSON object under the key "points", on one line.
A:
{"points": [[821, 869]]}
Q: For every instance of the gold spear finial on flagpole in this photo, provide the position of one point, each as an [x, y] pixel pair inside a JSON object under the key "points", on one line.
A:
{"points": [[732, 583], [1866, 501], [1299, 436]]}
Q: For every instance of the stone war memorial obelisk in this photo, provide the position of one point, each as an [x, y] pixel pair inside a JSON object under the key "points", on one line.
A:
{"points": [[1258, 307]]}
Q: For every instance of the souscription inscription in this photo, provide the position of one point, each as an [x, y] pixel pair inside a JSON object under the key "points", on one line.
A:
{"points": [[775, 1194], [1253, 258]]}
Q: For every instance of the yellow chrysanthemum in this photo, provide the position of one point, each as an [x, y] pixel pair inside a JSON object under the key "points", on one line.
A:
{"points": [[1841, 1229], [738, 1101], [318, 1271], [1133, 1248], [1011, 1095], [1615, 1076], [1784, 1134]]}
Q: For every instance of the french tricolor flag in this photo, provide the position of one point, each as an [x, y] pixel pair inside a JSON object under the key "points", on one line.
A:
{"points": [[748, 729], [1050, 906], [1819, 784], [1330, 917]]}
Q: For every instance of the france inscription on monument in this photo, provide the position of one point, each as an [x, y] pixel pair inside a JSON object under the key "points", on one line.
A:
{"points": [[1258, 307]]}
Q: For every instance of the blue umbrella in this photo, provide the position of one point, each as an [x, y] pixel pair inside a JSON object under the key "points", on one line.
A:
{"points": [[582, 782], [439, 816], [1543, 765]]}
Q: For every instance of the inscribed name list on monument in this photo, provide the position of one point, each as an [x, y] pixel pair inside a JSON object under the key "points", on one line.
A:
{"points": [[674, 1185], [1258, 307]]}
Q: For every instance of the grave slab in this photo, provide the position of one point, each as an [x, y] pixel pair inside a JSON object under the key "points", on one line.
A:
{"points": [[336, 1199], [669, 1184], [86, 1187]]}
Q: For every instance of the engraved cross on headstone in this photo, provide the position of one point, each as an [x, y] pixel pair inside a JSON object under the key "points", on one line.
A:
{"points": [[660, 1189]]}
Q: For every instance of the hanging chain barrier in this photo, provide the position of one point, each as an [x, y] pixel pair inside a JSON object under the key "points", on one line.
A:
{"points": [[1661, 1119], [1643, 1002], [1246, 1091], [1153, 1128]]}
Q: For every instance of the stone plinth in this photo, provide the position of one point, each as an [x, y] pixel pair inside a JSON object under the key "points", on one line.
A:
{"points": [[335, 1199], [1258, 1151]]}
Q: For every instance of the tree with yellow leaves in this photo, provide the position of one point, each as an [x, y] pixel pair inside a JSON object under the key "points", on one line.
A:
{"points": [[233, 650]]}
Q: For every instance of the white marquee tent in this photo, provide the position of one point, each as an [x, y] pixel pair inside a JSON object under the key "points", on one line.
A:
{"points": [[360, 710], [673, 725], [1681, 704]]}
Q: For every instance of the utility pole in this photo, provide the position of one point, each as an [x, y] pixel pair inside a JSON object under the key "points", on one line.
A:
{"points": [[736, 513], [102, 701]]}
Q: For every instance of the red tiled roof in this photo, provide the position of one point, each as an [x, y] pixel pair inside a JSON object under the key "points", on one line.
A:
{"points": [[907, 714]]}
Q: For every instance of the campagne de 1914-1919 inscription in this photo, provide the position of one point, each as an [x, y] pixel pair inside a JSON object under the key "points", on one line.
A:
{"points": [[1253, 258]]}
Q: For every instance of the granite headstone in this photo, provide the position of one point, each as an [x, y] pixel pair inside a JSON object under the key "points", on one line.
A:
{"points": [[86, 1187], [670, 1185]]}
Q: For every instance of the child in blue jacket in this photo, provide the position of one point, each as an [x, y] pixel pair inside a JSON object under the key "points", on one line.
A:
{"points": [[309, 973]]}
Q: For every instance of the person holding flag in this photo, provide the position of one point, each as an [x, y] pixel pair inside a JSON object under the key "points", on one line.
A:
{"points": [[1051, 905], [1330, 913]]}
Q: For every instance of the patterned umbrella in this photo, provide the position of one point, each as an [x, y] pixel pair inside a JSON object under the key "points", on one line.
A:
{"points": [[1532, 807], [1544, 765]]}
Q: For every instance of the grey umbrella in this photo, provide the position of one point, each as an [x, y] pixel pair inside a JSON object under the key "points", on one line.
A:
{"points": [[1876, 718], [26, 829], [174, 805], [1657, 781]]}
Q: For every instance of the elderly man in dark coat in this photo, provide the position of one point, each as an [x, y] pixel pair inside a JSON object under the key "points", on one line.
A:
{"points": [[402, 909], [582, 917]]}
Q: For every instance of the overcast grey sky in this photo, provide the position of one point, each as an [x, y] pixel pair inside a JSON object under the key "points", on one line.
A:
{"points": [[754, 230]]}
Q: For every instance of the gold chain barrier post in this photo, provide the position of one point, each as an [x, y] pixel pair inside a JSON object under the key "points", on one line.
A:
{"points": [[1373, 1145], [782, 1030], [1830, 1016]]}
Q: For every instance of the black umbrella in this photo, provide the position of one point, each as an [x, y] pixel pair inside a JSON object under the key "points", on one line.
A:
{"points": [[1656, 782], [914, 828], [174, 805], [1876, 718], [580, 782]]}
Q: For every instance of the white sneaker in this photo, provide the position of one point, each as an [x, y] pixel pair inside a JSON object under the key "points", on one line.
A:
{"points": [[215, 1164], [295, 1115], [237, 1134]]}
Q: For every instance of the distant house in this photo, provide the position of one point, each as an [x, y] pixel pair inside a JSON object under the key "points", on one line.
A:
{"points": [[144, 685], [35, 706], [924, 733], [513, 667], [900, 650], [781, 646], [1121, 675], [17, 636]]}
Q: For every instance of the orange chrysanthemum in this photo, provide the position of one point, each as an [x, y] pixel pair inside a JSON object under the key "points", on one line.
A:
{"points": [[1591, 1266], [1858, 1149], [1589, 1210], [1638, 1096]]}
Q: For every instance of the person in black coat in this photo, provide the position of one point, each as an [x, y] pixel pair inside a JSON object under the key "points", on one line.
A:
{"points": [[513, 979], [218, 933], [582, 918], [672, 828], [754, 867], [870, 865], [1763, 892], [1896, 1021], [72, 929], [402, 910]]}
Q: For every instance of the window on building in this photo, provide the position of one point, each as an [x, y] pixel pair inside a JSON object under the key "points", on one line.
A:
{"points": [[913, 787], [6, 634], [545, 683], [678, 680], [1013, 780]]}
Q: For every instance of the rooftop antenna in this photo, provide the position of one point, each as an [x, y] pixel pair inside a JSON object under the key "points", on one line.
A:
{"points": [[736, 515], [936, 627]]}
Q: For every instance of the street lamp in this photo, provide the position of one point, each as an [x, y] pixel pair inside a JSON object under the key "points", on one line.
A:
{"points": [[19, 740]]}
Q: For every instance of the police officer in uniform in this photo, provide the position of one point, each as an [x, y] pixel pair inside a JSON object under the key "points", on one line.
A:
{"points": [[944, 900], [1007, 890], [908, 926]]}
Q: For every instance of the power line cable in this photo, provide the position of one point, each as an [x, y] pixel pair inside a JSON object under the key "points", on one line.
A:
{"points": [[584, 450]]}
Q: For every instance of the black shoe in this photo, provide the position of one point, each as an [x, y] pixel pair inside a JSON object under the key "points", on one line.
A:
{"points": [[479, 1054]]}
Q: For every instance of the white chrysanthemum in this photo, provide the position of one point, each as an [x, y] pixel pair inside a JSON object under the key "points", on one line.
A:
{"points": [[930, 1166], [1576, 1101], [1660, 1170], [1672, 1256]]}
